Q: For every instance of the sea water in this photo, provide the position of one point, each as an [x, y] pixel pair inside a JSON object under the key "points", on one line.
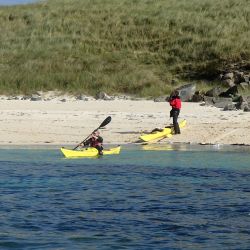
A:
{"points": [[162, 197]]}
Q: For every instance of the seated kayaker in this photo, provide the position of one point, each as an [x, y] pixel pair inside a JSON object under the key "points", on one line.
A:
{"points": [[95, 141]]}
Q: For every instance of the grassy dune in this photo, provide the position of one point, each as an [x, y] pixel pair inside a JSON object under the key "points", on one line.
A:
{"points": [[144, 47]]}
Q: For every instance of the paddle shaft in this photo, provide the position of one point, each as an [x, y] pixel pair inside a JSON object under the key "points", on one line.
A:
{"points": [[104, 123], [85, 139]]}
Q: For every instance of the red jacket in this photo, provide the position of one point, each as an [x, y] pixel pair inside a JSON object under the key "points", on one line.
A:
{"points": [[175, 102]]}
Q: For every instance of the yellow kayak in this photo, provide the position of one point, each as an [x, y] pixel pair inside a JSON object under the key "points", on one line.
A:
{"points": [[166, 132], [89, 152]]}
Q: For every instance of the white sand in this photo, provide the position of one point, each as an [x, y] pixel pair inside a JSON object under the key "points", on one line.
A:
{"points": [[63, 123]]}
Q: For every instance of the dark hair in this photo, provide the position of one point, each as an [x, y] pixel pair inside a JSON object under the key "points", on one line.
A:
{"points": [[175, 93]]}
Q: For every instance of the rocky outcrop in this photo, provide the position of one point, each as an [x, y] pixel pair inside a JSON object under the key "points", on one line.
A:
{"points": [[228, 100], [186, 92], [235, 77], [219, 102], [104, 96], [231, 92], [234, 97], [35, 97], [214, 92], [197, 97]]}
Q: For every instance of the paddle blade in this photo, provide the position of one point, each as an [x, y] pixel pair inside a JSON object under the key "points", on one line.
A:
{"points": [[105, 122]]}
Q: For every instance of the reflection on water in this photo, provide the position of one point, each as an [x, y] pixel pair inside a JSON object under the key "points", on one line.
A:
{"points": [[163, 147], [189, 147]]}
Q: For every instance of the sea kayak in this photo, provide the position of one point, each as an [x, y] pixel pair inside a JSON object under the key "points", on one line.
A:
{"points": [[165, 132], [89, 152]]}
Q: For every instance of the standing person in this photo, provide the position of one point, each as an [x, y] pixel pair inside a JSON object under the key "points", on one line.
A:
{"points": [[175, 103], [95, 141]]}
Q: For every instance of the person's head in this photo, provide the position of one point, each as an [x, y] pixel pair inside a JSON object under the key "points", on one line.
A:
{"points": [[96, 133], [174, 93]]}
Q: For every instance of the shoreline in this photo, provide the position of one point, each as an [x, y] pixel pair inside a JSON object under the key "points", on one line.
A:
{"points": [[181, 147], [25, 122]]}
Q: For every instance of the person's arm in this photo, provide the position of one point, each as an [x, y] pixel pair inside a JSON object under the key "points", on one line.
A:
{"points": [[172, 102], [87, 143]]}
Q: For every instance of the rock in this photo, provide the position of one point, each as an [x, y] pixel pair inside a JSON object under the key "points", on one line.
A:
{"points": [[230, 92], [12, 98], [242, 103], [104, 96], [247, 109], [36, 97], [186, 92], [221, 77], [63, 100], [82, 98], [229, 82], [220, 102], [238, 77], [246, 79], [243, 106], [229, 107], [242, 99], [197, 97], [208, 100], [229, 75], [214, 92], [248, 99], [25, 97]]}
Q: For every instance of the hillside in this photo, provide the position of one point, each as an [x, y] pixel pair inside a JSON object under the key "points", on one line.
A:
{"points": [[142, 47]]}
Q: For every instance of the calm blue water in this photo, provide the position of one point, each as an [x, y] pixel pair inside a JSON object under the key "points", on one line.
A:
{"points": [[181, 198]]}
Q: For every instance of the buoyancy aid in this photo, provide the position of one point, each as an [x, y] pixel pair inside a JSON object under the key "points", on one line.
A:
{"points": [[96, 141], [175, 102]]}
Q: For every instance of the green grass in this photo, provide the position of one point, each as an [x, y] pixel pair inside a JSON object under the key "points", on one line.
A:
{"points": [[126, 46]]}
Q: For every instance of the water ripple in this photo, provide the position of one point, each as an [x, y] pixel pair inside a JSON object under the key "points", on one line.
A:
{"points": [[123, 202]]}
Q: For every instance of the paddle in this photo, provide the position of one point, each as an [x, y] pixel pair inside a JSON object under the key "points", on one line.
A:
{"points": [[103, 124]]}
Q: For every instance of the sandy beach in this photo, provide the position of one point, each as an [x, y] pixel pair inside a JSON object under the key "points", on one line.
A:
{"points": [[25, 122]]}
